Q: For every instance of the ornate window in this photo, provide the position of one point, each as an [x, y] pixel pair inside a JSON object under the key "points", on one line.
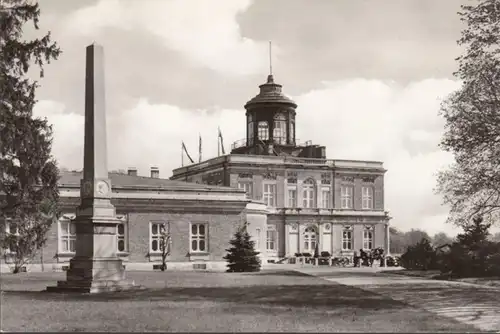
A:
{"points": [[347, 239], [248, 187], [325, 198], [263, 130], [292, 196], [158, 231], [368, 238], [269, 194], [198, 237], [271, 238], [292, 131], [367, 197], [67, 234], [308, 193], [310, 239], [346, 197]]}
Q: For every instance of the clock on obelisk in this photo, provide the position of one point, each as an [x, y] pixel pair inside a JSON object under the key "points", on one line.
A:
{"points": [[95, 267]]}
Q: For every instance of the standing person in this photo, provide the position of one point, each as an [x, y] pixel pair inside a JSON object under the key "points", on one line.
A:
{"points": [[356, 259]]}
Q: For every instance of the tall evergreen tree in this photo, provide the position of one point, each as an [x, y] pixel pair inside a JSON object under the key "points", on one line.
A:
{"points": [[28, 172], [242, 256]]}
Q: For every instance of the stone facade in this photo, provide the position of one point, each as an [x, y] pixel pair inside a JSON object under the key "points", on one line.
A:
{"points": [[327, 210], [336, 206]]}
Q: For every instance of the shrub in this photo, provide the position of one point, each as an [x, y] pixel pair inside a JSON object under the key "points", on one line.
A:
{"points": [[421, 256], [472, 255]]}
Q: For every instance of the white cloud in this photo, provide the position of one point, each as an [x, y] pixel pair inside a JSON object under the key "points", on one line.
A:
{"points": [[355, 119], [206, 33]]}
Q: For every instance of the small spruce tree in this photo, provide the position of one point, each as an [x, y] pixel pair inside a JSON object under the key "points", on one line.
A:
{"points": [[475, 233], [242, 256]]}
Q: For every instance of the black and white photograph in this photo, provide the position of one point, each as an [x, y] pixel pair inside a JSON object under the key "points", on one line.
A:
{"points": [[250, 166]]}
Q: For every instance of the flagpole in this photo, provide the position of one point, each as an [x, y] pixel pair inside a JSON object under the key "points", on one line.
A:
{"points": [[199, 149], [182, 154], [218, 144]]}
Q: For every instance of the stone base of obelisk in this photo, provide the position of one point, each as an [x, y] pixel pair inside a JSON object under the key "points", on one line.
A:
{"points": [[94, 275]]}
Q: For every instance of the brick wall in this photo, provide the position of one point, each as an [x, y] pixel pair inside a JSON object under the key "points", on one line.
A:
{"points": [[221, 228]]}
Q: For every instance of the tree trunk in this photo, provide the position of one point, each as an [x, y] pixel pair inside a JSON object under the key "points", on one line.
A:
{"points": [[41, 260]]}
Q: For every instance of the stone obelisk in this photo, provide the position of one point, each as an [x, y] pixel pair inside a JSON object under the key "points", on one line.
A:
{"points": [[95, 267]]}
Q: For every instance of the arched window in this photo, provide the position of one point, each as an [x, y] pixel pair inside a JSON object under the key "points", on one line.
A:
{"points": [[263, 130], [310, 239], [279, 129], [309, 193]]}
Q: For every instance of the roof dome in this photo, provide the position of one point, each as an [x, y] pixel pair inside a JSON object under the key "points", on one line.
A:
{"points": [[270, 92]]}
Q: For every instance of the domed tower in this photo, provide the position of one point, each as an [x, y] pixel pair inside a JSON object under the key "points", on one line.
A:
{"points": [[270, 122]]}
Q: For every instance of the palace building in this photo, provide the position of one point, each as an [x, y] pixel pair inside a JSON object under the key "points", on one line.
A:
{"points": [[336, 206], [293, 198]]}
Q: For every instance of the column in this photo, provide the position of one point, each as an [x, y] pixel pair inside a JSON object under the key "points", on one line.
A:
{"points": [[287, 239], [387, 243], [319, 242], [318, 193], [299, 250]]}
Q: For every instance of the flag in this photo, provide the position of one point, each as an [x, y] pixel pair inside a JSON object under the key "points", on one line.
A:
{"points": [[221, 142], [199, 150], [185, 150]]}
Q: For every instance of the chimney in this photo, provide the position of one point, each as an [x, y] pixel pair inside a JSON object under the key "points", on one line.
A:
{"points": [[132, 171], [155, 172]]}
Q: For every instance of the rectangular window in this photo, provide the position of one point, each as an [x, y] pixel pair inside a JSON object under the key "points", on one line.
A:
{"points": [[121, 238], [347, 240], [257, 240], [346, 197], [248, 187], [308, 196], [263, 130], [325, 198], [198, 238], [367, 239], [292, 197], [272, 238], [367, 197], [11, 229], [158, 235], [269, 194], [67, 236]]}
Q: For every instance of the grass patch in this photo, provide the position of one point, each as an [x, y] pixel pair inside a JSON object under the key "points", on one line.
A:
{"points": [[204, 301], [437, 275]]}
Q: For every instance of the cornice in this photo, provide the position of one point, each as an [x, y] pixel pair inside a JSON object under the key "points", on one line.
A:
{"points": [[155, 205]]}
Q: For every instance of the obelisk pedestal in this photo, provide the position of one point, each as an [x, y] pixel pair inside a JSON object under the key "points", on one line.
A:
{"points": [[95, 267]]}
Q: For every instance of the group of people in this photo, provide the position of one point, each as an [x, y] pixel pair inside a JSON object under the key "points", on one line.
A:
{"points": [[367, 258]]}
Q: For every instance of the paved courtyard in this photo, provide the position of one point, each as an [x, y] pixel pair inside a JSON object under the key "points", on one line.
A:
{"points": [[468, 303], [276, 301]]}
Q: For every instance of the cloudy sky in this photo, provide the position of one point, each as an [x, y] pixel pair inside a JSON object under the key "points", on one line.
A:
{"points": [[368, 77]]}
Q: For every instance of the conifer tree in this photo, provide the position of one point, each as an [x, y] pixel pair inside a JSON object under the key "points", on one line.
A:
{"points": [[242, 256], [474, 234], [28, 172]]}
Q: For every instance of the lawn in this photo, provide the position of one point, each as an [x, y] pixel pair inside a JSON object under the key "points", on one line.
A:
{"points": [[204, 301], [436, 274]]}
